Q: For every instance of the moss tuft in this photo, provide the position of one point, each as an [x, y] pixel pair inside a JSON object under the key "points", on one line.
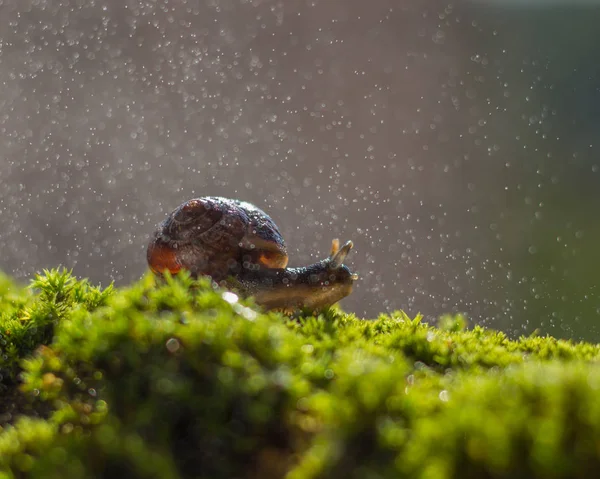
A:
{"points": [[184, 380]]}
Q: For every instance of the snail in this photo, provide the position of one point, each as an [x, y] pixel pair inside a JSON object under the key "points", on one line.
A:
{"points": [[240, 247]]}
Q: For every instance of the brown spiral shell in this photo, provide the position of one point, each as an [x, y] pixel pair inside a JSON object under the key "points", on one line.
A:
{"points": [[217, 237]]}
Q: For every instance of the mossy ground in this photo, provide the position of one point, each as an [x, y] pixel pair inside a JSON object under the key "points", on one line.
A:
{"points": [[181, 380]]}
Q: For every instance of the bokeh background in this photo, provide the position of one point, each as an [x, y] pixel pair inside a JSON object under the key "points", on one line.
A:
{"points": [[455, 144]]}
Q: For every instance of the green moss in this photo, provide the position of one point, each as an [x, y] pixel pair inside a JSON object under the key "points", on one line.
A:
{"points": [[181, 380], [28, 316]]}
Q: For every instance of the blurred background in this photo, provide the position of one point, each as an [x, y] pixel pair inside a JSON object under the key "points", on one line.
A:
{"points": [[455, 144]]}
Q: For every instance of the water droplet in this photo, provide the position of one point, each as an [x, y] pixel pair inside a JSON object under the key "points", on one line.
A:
{"points": [[173, 345], [230, 297]]}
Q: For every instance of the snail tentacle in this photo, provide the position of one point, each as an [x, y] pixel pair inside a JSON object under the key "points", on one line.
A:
{"points": [[339, 257], [335, 247]]}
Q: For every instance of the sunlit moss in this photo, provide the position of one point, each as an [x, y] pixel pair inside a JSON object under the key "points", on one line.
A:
{"points": [[179, 380]]}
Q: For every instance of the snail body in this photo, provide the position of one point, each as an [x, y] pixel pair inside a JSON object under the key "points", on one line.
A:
{"points": [[239, 246]]}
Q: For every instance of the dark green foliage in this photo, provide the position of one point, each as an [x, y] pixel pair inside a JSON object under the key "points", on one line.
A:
{"points": [[218, 383], [182, 380], [26, 321]]}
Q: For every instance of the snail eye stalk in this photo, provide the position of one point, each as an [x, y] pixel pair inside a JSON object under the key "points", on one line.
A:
{"points": [[335, 247], [338, 258]]}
